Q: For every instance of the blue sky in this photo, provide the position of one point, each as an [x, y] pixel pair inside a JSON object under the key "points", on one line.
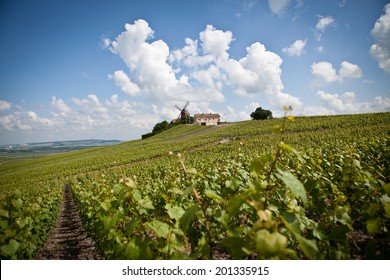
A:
{"points": [[112, 69]]}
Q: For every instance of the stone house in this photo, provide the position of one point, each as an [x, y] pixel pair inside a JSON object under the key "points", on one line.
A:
{"points": [[207, 119]]}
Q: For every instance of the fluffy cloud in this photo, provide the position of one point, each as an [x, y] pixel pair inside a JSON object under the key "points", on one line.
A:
{"points": [[13, 122], [232, 115], [89, 116], [278, 6], [346, 104], [259, 73], [60, 106], [325, 73], [123, 81], [148, 61], [350, 71], [91, 104], [381, 32], [216, 42], [342, 103], [152, 74], [296, 49], [199, 71], [4, 105], [323, 23], [24, 120], [189, 55], [131, 44]]}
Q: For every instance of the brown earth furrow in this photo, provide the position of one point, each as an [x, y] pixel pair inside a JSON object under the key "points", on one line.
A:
{"points": [[68, 240]]}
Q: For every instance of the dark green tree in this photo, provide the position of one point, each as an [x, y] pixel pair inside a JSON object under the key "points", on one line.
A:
{"points": [[160, 127], [261, 114]]}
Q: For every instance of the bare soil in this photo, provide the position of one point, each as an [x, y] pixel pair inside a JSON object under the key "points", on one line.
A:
{"points": [[68, 240]]}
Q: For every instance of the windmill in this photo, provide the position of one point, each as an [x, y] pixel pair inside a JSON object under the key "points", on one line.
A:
{"points": [[184, 114]]}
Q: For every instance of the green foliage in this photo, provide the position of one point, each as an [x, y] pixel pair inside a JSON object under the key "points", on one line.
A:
{"points": [[282, 204], [293, 184], [315, 188], [160, 127], [261, 114], [147, 135], [164, 125], [26, 218]]}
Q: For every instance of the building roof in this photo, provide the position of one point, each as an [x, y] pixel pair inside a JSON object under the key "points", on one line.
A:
{"points": [[207, 116]]}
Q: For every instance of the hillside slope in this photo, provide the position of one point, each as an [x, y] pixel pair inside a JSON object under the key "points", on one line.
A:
{"points": [[185, 139], [309, 187]]}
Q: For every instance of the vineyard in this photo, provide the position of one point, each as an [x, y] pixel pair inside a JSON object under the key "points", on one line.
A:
{"points": [[288, 188]]}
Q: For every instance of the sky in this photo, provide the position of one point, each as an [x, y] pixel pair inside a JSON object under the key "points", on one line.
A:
{"points": [[74, 69]]}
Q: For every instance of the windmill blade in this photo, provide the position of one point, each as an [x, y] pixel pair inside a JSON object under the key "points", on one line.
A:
{"points": [[185, 106], [178, 107]]}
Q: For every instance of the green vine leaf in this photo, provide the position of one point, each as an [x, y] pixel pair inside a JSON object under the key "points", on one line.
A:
{"points": [[373, 226], [387, 188], [213, 195], [160, 228], [11, 248], [309, 247], [187, 218], [293, 184]]}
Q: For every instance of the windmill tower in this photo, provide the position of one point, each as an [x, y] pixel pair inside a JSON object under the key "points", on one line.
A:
{"points": [[184, 114]]}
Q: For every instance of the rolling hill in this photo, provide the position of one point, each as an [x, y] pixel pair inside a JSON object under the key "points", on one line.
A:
{"points": [[313, 185]]}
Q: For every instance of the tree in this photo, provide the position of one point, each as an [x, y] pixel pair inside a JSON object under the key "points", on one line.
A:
{"points": [[160, 127], [261, 114]]}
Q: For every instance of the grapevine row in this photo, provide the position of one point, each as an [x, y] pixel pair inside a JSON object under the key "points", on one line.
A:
{"points": [[318, 190]]}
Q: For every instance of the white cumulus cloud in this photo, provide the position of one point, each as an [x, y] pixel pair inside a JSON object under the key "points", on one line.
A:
{"points": [[259, 73], [147, 61], [216, 42], [24, 120], [346, 103], [381, 32], [89, 116], [151, 64], [59, 105], [233, 115], [296, 49], [123, 81], [325, 73], [199, 71], [4, 105], [350, 71], [323, 23]]}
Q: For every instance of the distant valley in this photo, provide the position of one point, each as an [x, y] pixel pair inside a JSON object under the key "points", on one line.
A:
{"points": [[31, 150]]}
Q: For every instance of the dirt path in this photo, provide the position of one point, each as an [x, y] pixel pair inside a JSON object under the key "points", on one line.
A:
{"points": [[68, 239]]}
